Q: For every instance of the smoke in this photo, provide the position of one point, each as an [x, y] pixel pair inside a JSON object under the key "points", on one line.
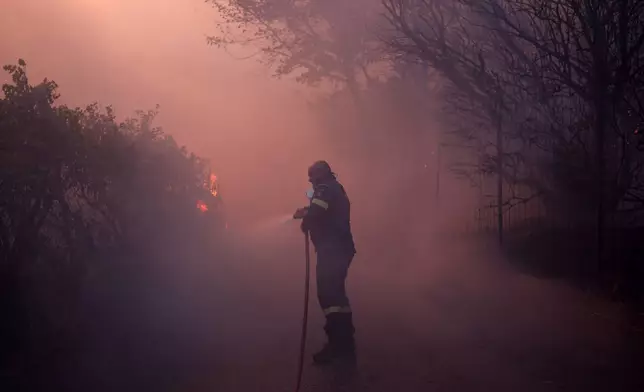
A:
{"points": [[432, 307], [273, 223]]}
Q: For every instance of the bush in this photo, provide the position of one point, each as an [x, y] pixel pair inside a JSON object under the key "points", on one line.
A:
{"points": [[85, 202]]}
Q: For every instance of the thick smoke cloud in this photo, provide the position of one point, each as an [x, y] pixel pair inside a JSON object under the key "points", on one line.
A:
{"points": [[432, 309]]}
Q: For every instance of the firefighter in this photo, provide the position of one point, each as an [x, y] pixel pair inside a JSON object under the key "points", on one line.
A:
{"points": [[327, 219]]}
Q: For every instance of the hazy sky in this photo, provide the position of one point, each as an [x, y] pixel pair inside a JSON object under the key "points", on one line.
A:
{"points": [[134, 54]]}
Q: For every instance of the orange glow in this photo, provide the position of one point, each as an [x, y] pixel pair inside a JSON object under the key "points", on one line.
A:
{"points": [[213, 185], [201, 206]]}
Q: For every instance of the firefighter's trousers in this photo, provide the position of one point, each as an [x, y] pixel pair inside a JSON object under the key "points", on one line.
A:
{"points": [[331, 273]]}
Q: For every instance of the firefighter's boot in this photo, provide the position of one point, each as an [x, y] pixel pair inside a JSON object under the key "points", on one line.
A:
{"points": [[340, 345]]}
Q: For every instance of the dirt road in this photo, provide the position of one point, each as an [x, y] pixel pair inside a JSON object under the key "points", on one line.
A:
{"points": [[455, 321]]}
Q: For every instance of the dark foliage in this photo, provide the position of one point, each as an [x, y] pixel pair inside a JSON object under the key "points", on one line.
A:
{"points": [[85, 202]]}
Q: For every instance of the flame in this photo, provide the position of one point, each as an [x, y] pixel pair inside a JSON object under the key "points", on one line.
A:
{"points": [[201, 206], [213, 185]]}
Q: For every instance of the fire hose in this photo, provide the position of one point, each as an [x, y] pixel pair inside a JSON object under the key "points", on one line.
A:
{"points": [[305, 317], [300, 213]]}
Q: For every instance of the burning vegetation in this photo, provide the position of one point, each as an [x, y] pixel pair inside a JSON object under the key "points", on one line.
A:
{"points": [[211, 199]]}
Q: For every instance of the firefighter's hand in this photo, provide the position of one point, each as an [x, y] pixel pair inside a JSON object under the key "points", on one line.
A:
{"points": [[301, 213]]}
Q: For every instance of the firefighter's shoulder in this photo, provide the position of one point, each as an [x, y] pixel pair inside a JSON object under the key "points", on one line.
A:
{"points": [[320, 190]]}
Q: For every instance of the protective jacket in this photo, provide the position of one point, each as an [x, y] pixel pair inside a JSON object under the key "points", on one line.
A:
{"points": [[328, 217]]}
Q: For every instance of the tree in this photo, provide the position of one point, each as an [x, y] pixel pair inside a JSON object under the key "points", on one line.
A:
{"points": [[555, 65], [78, 186], [437, 33], [321, 42], [594, 50]]}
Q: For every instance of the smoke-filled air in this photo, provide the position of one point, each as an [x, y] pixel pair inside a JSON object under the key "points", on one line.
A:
{"points": [[322, 195]]}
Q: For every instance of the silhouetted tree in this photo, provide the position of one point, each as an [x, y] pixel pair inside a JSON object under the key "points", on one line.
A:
{"points": [[440, 34], [594, 51], [556, 76], [77, 187], [321, 42]]}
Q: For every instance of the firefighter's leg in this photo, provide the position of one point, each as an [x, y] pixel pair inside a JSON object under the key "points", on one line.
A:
{"points": [[331, 272]]}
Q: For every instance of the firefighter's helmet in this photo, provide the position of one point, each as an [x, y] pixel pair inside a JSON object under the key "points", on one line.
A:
{"points": [[319, 171]]}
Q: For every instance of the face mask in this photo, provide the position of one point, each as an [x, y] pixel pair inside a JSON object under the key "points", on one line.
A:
{"points": [[309, 194]]}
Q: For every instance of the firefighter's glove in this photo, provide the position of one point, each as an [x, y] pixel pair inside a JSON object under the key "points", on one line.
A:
{"points": [[301, 213]]}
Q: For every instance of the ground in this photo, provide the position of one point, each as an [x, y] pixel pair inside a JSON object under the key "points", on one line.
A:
{"points": [[448, 316], [457, 321]]}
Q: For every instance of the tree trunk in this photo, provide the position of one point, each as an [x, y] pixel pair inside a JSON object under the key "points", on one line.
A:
{"points": [[499, 183], [600, 88], [600, 218], [438, 174]]}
